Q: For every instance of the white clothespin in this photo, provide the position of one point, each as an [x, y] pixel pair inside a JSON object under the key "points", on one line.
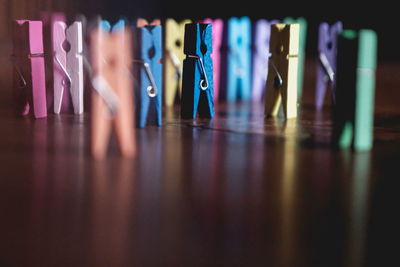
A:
{"points": [[68, 64]]}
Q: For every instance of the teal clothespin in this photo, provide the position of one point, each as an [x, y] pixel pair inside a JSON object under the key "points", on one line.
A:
{"points": [[239, 59], [354, 109], [302, 51]]}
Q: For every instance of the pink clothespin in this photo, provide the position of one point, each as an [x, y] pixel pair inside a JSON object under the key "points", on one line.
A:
{"points": [[29, 76], [217, 32], [68, 64], [112, 97]]}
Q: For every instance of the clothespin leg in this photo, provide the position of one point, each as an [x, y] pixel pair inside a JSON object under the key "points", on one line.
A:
{"points": [[143, 109], [101, 126], [272, 96], [171, 87], [38, 88], [320, 88], [124, 126], [158, 105]]}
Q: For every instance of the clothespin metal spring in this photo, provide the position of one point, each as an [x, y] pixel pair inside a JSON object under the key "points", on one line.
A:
{"points": [[64, 70], [203, 82], [278, 78], [176, 63], [151, 89], [22, 79], [106, 92], [326, 66], [23, 82]]}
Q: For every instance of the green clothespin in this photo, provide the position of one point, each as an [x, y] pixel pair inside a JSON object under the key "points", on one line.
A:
{"points": [[355, 91], [302, 51]]}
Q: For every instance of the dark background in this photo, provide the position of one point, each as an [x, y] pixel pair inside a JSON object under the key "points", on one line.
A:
{"points": [[380, 16]]}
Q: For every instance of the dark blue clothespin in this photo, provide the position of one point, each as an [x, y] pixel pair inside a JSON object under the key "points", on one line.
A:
{"points": [[148, 74], [197, 83], [327, 53]]}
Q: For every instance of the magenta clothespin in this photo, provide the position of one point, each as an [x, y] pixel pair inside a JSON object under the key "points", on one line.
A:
{"points": [[326, 69], [217, 31], [68, 65], [29, 77], [261, 35]]}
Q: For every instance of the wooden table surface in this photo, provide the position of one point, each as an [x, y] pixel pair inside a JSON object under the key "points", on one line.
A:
{"points": [[238, 190]]}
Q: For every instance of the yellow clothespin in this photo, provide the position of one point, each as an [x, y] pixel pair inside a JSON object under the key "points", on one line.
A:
{"points": [[174, 35], [282, 71]]}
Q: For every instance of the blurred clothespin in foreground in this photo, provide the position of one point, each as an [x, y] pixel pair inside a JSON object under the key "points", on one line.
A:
{"points": [[147, 70], [197, 85], [141, 22], [29, 80], [326, 67], [68, 64], [112, 97], [282, 72], [355, 90]]}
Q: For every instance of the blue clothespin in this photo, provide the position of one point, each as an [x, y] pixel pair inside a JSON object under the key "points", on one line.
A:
{"points": [[197, 83], [148, 74], [239, 59], [327, 52]]}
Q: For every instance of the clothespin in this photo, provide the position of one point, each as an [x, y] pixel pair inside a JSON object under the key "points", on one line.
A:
{"points": [[29, 75], [355, 89], [68, 64], [197, 84], [282, 71], [327, 52], [112, 99], [217, 33], [174, 36], [239, 59], [261, 37], [302, 51], [148, 71]]}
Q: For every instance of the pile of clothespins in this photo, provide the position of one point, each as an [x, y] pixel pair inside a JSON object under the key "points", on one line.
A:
{"points": [[131, 66]]}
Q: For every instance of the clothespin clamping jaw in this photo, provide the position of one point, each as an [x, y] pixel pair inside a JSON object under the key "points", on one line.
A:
{"points": [[261, 36], [29, 72], [217, 33], [239, 59], [282, 72], [68, 64], [327, 53], [112, 99], [355, 90], [173, 63], [302, 22], [197, 84], [148, 72], [141, 22]]}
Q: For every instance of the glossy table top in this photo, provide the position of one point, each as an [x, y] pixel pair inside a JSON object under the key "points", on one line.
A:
{"points": [[239, 190]]}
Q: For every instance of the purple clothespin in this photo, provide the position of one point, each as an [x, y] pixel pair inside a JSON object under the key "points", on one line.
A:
{"points": [[326, 69], [261, 35]]}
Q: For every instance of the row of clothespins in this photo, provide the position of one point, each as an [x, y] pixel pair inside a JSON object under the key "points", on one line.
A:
{"points": [[196, 56]]}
